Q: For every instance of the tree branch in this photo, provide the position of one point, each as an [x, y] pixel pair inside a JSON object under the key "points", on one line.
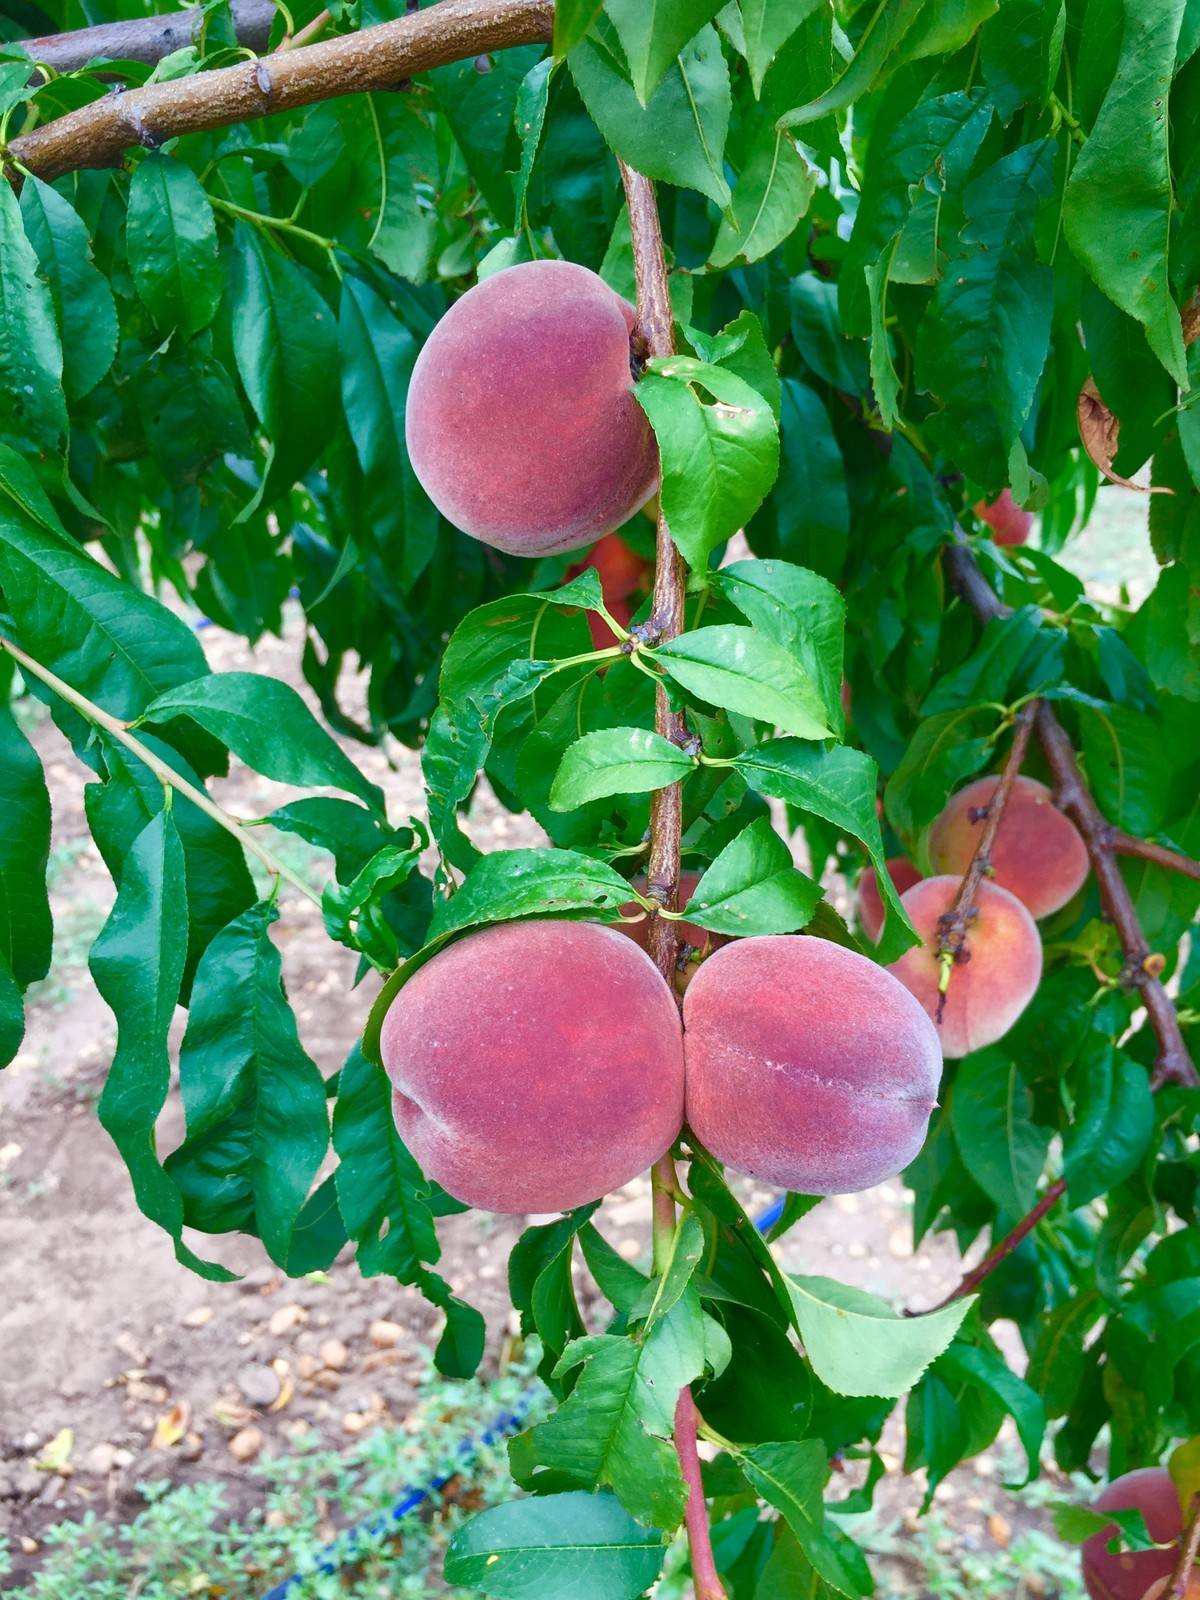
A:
{"points": [[1189, 1553], [953, 924], [1142, 967], [1001, 1252], [97, 135], [656, 333], [1126, 845], [146, 39]]}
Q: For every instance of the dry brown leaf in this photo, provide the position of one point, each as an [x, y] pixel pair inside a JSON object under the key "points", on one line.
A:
{"points": [[171, 1426], [1100, 432], [287, 1388]]}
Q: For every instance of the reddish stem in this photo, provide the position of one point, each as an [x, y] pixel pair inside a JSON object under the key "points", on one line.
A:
{"points": [[1001, 1252], [1189, 1554], [1126, 845], [705, 1580]]}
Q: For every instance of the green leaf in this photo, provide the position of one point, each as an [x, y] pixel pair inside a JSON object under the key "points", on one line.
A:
{"points": [[880, 39], [285, 343], [791, 1476], [1002, 1148], [171, 239], [572, 19], [799, 610], [616, 761], [766, 27], [241, 1057], [382, 1193], [137, 964], [772, 193], [32, 403], [806, 520], [480, 107], [12, 1014], [718, 460], [1021, 49], [859, 1346], [1112, 1124], [942, 752], [739, 669], [753, 888], [20, 483], [406, 226], [983, 342], [653, 32], [524, 883], [979, 1365], [267, 725], [378, 353], [82, 299], [838, 785], [26, 933], [530, 116], [679, 135], [574, 1546], [1118, 203], [663, 1292], [542, 1287]]}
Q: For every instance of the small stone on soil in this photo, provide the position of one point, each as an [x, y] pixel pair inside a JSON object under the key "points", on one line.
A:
{"points": [[259, 1385], [199, 1317], [244, 1446], [383, 1334], [334, 1354]]}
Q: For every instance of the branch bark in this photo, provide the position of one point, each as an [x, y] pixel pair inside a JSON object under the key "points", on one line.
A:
{"points": [[1126, 845], [98, 135], [954, 924], [146, 39], [1172, 1062], [1189, 1554]]}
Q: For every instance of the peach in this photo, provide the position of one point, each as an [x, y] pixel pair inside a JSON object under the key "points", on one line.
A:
{"points": [[870, 906], [1127, 1575], [1008, 522], [535, 1065], [989, 990], [1038, 855], [808, 1065], [521, 420], [623, 574]]}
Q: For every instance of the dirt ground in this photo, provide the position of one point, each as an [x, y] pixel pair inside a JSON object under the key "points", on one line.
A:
{"points": [[159, 1374]]}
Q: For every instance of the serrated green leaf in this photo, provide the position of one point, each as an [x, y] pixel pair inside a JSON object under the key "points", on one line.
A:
{"points": [[171, 240], [241, 1057], [859, 1346], [1112, 1124], [766, 27], [880, 39], [12, 1014], [32, 403], [523, 883], [83, 301], [575, 1546], [653, 32], [1118, 202], [806, 519], [772, 193], [1001, 1146], [718, 460], [267, 725], [739, 669], [137, 964], [791, 1476], [753, 888], [616, 761], [530, 117], [25, 927]]}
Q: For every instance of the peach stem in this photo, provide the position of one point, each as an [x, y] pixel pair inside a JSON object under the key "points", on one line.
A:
{"points": [[1189, 1553], [705, 1580]]}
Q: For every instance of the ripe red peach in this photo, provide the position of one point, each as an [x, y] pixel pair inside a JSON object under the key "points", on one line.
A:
{"points": [[623, 574], [1127, 1575], [808, 1065], [870, 906], [1008, 522], [988, 991], [535, 1065], [1038, 855], [521, 420]]}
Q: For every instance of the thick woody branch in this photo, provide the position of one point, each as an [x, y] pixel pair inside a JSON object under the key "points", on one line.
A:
{"points": [[1126, 845], [954, 925], [146, 39], [99, 134], [1142, 966]]}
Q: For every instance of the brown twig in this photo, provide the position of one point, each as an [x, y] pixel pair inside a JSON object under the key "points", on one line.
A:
{"points": [[1001, 1252], [1125, 844], [705, 1579], [1189, 1554], [146, 39], [953, 925], [307, 33], [98, 134], [1142, 967], [656, 334]]}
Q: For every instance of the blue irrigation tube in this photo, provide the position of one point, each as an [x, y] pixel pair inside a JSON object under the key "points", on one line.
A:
{"points": [[343, 1547]]}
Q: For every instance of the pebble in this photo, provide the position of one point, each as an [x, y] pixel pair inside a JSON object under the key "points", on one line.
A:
{"points": [[900, 1243], [246, 1444], [307, 1366], [857, 1250], [259, 1385], [629, 1249], [199, 1317], [285, 1319], [383, 1334], [334, 1354], [100, 1459]]}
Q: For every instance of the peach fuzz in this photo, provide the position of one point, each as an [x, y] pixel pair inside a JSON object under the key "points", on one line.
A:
{"points": [[988, 991], [1009, 523], [1038, 855], [870, 906], [521, 421], [535, 1065], [808, 1065], [1128, 1574]]}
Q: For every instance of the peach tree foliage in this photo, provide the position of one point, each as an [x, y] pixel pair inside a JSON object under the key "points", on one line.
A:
{"points": [[901, 238]]}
